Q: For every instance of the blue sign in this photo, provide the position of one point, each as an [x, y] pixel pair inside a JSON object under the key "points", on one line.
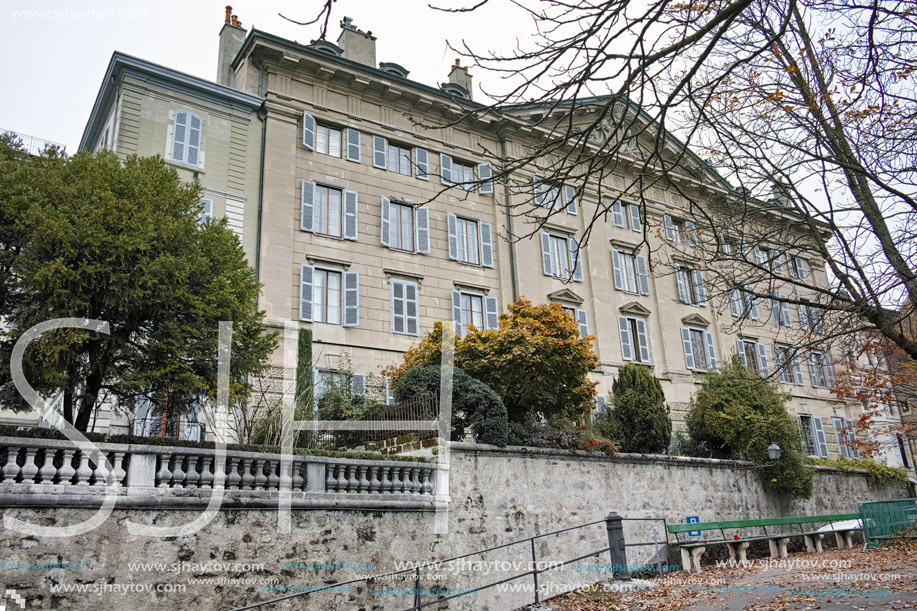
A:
{"points": [[692, 520]]}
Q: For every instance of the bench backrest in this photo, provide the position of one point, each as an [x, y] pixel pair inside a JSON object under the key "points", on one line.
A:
{"points": [[731, 524]]}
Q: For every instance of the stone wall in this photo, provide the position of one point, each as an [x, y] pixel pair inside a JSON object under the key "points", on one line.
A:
{"points": [[498, 496]]}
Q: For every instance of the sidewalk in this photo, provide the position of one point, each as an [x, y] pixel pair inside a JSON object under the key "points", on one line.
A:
{"points": [[833, 581]]}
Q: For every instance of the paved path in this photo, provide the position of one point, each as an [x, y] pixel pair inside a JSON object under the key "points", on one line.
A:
{"points": [[833, 581]]}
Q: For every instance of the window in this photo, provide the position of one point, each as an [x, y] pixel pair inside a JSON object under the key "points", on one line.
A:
{"points": [[328, 140], [769, 259], [797, 267], [404, 307], [821, 370], [679, 232], [329, 296], [580, 317], [742, 302], [732, 246], [453, 172], [846, 438], [473, 309], [780, 310], [812, 434], [698, 348], [422, 163], [787, 364], [186, 138], [630, 274], [399, 159], [690, 286], [470, 241], [405, 227], [754, 355], [560, 257], [902, 450], [635, 345], [324, 380], [329, 211], [206, 213], [549, 195], [811, 317]]}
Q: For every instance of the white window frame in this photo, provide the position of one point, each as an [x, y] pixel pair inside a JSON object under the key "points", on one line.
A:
{"points": [[187, 143], [812, 435], [780, 311], [349, 298], [689, 338], [690, 284], [846, 438], [490, 311], [787, 372], [759, 362], [630, 272], [329, 131], [635, 340], [821, 370]]}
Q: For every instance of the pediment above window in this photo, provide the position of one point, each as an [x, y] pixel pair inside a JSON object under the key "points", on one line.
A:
{"points": [[565, 295], [695, 320], [635, 308]]}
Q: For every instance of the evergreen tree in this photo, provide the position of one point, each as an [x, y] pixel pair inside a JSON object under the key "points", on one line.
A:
{"points": [[639, 420]]}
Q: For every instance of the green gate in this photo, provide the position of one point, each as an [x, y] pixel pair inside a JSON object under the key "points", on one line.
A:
{"points": [[886, 520]]}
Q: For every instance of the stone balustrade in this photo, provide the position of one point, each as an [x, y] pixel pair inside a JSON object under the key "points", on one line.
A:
{"points": [[40, 472]]}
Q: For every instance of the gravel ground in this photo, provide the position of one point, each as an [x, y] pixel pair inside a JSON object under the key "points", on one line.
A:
{"points": [[834, 580]]}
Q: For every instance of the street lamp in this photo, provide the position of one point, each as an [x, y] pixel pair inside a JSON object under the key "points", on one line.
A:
{"points": [[774, 451]]}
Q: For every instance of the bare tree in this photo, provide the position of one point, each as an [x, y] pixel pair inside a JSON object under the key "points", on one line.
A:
{"points": [[795, 129]]}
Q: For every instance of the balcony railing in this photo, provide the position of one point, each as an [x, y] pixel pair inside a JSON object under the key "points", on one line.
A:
{"points": [[51, 472], [34, 146]]}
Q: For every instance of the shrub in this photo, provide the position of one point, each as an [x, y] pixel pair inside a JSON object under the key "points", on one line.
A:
{"points": [[563, 435], [639, 420], [474, 404], [737, 415]]}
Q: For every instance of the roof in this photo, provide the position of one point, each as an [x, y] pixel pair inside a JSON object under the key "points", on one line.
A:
{"points": [[122, 65], [256, 35]]}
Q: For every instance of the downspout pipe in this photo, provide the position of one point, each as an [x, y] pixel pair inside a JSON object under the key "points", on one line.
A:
{"points": [[509, 216]]}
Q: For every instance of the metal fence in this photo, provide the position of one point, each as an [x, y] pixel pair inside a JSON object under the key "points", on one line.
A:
{"points": [[616, 548], [888, 520], [34, 146], [385, 428]]}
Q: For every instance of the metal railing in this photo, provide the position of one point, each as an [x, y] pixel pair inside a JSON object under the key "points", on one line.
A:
{"points": [[617, 549], [34, 146]]}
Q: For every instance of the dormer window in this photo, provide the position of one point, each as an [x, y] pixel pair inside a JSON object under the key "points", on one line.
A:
{"points": [[455, 90], [393, 68], [326, 47]]}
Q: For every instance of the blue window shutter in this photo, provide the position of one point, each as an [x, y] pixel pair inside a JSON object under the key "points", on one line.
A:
{"points": [[422, 161], [570, 199], [206, 212], [486, 241], [669, 227], [797, 371], [700, 293], [762, 360], [353, 145], [546, 266], [538, 188], [380, 152], [583, 322], [307, 209], [457, 313], [688, 348], [783, 369], [179, 135], [643, 277], [617, 266], [398, 306], [453, 238], [386, 226], [350, 215], [308, 131], [445, 169], [682, 284], [351, 298], [711, 350], [642, 341], [411, 308], [422, 233], [491, 314], [305, 292], [194, 140], [635, 223], [359, 384], [740, 350], [820, 440], [627, 344], [751, 300], [576, 259], [691, 233], [617, 214], [485, 175], [735, 302]]}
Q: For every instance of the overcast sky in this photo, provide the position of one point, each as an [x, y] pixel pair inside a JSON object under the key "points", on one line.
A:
{"points": [[55, 53]]}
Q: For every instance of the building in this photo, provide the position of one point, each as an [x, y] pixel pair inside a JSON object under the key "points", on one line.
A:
{"points": [[369, 235]]}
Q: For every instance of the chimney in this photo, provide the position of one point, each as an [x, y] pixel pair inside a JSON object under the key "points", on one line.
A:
{"points": [[459, 76], [231, 38], [358, 46]]}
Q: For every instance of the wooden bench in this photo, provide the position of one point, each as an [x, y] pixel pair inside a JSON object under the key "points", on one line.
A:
{"points": [[777, 539]]}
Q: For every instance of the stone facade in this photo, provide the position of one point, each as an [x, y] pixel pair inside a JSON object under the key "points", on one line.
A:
{"points": [[498, 496], [314, 88]]}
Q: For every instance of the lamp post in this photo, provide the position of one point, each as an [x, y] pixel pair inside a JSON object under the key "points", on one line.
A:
{"points": [[774, 451]]}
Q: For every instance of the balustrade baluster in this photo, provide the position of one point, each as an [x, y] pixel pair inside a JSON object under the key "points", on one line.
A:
{"points": [[192, 477], [29, 468], [164, 474], [48, 470], [11, 468]]}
